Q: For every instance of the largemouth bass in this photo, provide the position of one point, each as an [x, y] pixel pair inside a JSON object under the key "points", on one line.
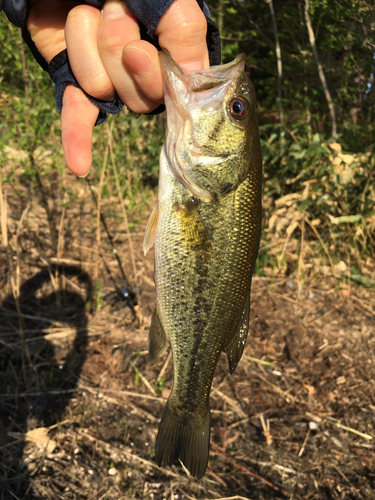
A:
{"points": [[206, 228]]}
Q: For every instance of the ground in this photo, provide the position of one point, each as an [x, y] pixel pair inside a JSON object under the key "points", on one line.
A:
{"points": [[80, 401]]}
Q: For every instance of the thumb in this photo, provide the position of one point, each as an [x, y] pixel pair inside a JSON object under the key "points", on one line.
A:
{"points": [[182, 31]]}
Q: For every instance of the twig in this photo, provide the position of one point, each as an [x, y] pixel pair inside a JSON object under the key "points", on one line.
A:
{"points": [[259, 361], [98, 210], [349, 429], [232, 498], [293, 301], [301, 265], [236, 408], [323, 315], [56, 260], [217, 478], [304, 443], [122, 393], [25, 77], [165, 367], [217, 451], [60, 241], [323, 245], [143, 378], [127, 453], [28, 316], [365, 306], [266, 430], [330, 420], [285, 394], [16, 293], [120, 403], [36, 394], [349, 275], [110, 144], [67, 421]]}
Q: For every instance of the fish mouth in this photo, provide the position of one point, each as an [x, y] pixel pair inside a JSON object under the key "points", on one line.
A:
{"points": [[184, 92], [204, 79]]}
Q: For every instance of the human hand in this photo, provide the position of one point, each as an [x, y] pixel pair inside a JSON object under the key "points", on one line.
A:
{"points": [[107, 56]]}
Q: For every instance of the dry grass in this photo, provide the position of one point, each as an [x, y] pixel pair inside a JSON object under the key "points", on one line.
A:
{"points": [[80, 401]]}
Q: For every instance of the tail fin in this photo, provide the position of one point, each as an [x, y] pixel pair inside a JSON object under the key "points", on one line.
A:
{"points": [[186, 438]]}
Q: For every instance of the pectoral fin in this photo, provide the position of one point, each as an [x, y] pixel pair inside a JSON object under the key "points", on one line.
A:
{"points": [[150, 233], [197, 238], [236, 345], [157, 339]]}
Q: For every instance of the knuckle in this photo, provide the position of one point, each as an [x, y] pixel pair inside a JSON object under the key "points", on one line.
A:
{"points": [[98, 86], [74, 99], [93, 78], [184, 27], [81, 14], [111, 44], [136, 105], [194, 29]]}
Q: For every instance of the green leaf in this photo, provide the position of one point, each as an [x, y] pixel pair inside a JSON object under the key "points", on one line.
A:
{"points": [[362, 280], [348, 218]]}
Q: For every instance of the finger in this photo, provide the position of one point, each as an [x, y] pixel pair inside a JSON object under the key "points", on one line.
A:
{"points": [[78, 117], [46, 23], [182, 31], [81, 33], [117, 28], [142, 60]]}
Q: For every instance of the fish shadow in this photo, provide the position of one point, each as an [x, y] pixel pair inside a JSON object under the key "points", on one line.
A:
{"points": [[43, 345]]}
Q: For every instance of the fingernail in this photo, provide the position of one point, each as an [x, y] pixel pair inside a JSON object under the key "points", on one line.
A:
{"points": [[192, 66], [83, 176], [113, 9], [139, 61]]}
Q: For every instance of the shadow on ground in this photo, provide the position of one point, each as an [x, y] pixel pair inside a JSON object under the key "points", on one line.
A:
{"points": [[37, 376]]}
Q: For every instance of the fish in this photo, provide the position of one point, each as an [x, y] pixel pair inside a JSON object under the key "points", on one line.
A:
{"points": [[206, 228]]}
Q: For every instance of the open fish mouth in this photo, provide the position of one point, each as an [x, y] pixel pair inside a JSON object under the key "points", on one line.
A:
{"points": [[204, 79], [184, 93]]}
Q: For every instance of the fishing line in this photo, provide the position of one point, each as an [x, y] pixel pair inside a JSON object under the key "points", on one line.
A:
{"points": [[126, 293]]}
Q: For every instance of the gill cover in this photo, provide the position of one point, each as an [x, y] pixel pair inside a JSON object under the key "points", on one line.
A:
{"points": [[184, 93]]}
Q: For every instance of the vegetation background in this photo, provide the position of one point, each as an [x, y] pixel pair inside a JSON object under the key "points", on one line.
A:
{"points": [[313, 66], [311, 92]]}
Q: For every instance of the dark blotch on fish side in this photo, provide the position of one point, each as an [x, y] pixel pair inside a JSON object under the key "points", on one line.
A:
{"points": [[225, 189]]}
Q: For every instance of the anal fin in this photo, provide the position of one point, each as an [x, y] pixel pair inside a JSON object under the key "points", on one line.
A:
{"points": [[236, 345], [157, 339], [150, 233]]}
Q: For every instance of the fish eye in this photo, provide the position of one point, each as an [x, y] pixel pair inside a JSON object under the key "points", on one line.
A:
{"points": [[239, 108]]}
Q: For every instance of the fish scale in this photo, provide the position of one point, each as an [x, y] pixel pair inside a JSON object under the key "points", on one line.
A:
{"points": [[206, 229]]}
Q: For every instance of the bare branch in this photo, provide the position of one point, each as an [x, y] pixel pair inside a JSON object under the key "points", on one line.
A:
{"points": [[320, 68]]}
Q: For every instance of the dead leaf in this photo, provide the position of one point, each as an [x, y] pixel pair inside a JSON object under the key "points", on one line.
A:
{"points": [[39, 437], [15, 154], [335, 146], [348, 159], [311, 389], [341, 267], [291, 228]]}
